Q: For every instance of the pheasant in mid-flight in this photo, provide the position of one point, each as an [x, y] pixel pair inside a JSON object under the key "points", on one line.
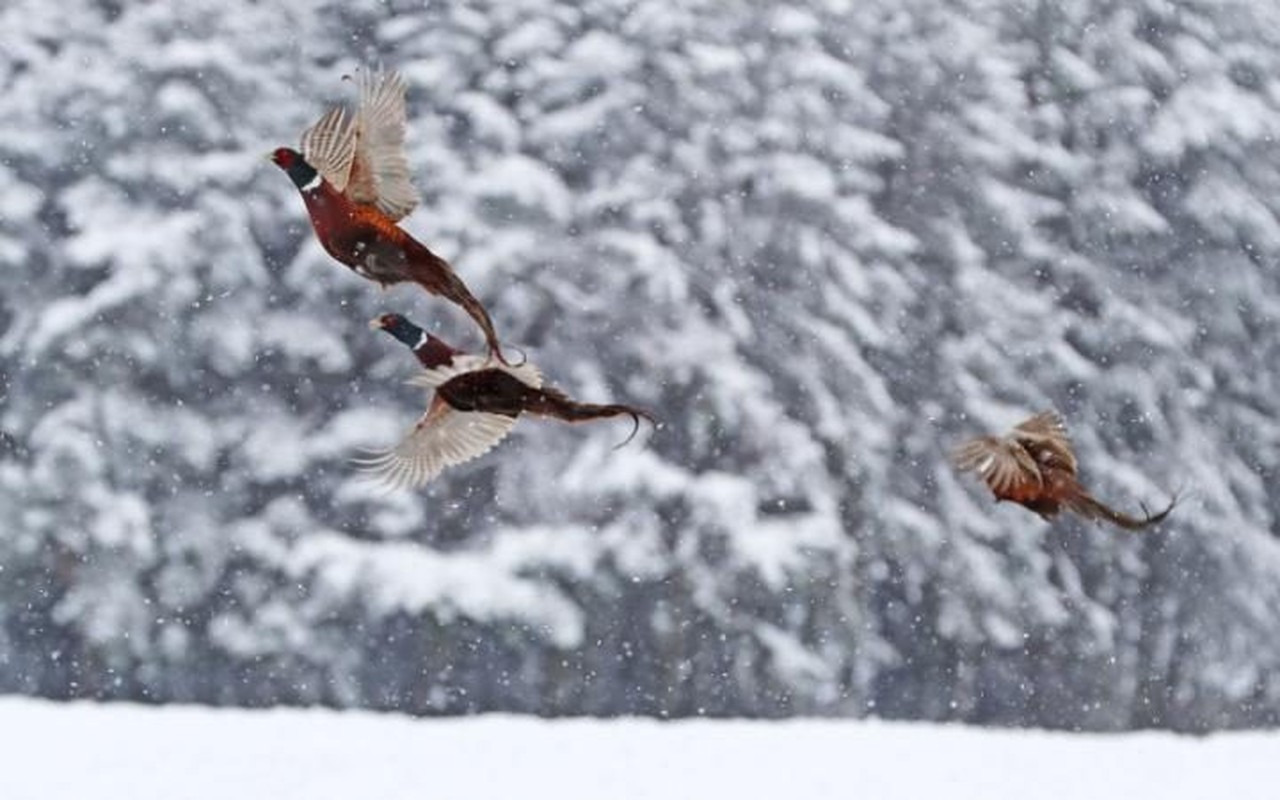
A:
{"points": [[354, 178], [475, 404], [1033, 465]]}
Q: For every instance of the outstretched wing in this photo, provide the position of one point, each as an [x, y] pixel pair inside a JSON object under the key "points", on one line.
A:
{"points": [[526, 373], [330, 146], [1045, 437], [1046, 423], [380, 174], [1003, 464], [462, 363], [444, 437]]}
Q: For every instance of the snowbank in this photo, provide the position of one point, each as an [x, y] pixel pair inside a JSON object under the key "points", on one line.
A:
{"points": [[51, 750]]}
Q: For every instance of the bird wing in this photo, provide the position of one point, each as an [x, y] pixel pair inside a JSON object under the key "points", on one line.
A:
{"points": [[1002, 463], [444, 437], [330, 145], [1045, 437], [380, 173], [526, 373], [1046, 423], [460, 363]]}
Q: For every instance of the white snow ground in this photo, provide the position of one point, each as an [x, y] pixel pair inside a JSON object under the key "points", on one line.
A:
{"points": [[51, 751]]}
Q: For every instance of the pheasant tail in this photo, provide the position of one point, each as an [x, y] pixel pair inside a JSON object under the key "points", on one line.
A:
{"points": [[1089, 508], [437, 277], [554, 403]]}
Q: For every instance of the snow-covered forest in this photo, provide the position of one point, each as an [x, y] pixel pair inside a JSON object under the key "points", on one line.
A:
{"points": [[823, 240]]}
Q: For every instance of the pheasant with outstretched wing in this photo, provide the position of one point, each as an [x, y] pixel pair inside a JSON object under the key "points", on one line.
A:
{"points": [[354, 179], [474, 404], [1034, 465]]}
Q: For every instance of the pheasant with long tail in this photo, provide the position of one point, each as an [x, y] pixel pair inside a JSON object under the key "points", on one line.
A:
{"points": [[354, 178], [1033, 465], [475, 404]]}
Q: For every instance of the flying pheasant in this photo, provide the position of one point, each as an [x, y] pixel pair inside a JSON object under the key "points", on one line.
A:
{"points": [[1033, 465], [475, 404], [354, 178]]}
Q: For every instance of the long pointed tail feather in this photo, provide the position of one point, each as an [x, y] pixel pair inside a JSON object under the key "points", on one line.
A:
{"points": [[555, 403], [1086, 506], [439, 278]]}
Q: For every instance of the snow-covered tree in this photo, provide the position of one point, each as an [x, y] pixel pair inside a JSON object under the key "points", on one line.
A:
{"points": [[822, 241]]}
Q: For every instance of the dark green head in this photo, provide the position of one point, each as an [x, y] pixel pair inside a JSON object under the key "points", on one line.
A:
{"points": [[401, 328]]}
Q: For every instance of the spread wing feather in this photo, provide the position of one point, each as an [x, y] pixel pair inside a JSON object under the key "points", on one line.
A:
{"points": [[380, 175], [330, 145], [526, 373], [1046, 423], [1002, 463], [444, 437], [1045, 437]]}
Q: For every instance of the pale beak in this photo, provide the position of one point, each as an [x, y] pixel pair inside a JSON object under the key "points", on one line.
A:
{"points": [[375, 324]]}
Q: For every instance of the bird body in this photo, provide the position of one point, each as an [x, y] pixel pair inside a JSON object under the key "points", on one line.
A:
{"points": [[354, 179], [375, 247], [1034, 465], [358, 236], [474, 404]]}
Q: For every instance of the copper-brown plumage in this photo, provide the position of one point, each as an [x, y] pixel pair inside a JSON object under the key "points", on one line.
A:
{"points": [[354, 178], [1033, 465]]}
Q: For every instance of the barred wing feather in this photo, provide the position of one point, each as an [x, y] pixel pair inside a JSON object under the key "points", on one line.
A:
{"points": [[380, 175], [443, 438], [1001, 463], [1046, 437], [330, 145]]}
